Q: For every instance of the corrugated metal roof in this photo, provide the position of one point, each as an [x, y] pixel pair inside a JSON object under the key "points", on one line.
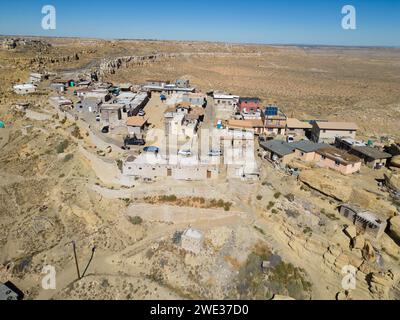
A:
{"points": [[337, 125], [281, 148], [297, 124], [307, 146], [338, 155], [372, 152]]}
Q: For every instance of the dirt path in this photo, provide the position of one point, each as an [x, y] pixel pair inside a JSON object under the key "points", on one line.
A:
{"points": [[114, 263]]}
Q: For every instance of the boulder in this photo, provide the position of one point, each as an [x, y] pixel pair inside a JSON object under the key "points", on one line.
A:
{"points": [[389, 246], [395, 162], [368, 252], [351, 232], [359, 242], [392, 181], [343, 296], [395, 228], [380, 284]]}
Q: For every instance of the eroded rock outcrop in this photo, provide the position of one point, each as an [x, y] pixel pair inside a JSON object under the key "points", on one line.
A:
{"points": [[394, 231], [392, 180], [110, 66]]}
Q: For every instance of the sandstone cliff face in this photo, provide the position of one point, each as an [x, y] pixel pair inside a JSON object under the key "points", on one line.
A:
{"points": [[329, 252], [110, 66], [346, 189], [395, 229], [395, 162]]}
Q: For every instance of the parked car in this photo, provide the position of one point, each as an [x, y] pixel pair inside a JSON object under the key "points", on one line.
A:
{"points": [[215, 153], [106, 129], [290, 139], [98, 118], [151, 149], [125, 148], [134, 142], [141, 113], [185, 153]]}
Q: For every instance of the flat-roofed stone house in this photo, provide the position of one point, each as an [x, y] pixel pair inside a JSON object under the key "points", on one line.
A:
{"points": [[328, 131]]}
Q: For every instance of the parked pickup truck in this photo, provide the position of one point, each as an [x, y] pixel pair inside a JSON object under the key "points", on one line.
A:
{"points": [[134, 142]]}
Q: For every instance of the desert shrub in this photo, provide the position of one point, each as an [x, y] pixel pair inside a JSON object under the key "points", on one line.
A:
{"points": [[277, 195], [62, 146], [76, 133], [136, 220], [271, 204], [227, 206], [68, 157], [176, 238], [307, 230], [120, 164], [259, 197], [170, 198]]}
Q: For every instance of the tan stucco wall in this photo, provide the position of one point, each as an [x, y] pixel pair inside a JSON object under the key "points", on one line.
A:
{"points": [[328, 163], [330, 135]]}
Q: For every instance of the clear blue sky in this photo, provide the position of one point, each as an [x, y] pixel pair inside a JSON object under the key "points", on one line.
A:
{"points": [[251, 21]]}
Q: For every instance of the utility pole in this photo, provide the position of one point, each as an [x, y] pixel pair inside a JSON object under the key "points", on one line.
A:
{"points": [[91, 258], [76, 260]]}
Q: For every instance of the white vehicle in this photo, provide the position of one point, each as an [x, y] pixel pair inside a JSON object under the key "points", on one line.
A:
{"points": [[186, 153], [141, 113], [290, 139], [215, 153]]}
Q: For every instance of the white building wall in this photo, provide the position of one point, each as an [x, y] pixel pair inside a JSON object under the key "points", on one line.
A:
{"points": [[145, 170]]}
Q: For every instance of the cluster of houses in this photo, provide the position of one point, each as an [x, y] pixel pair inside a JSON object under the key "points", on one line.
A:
{"points": [[121, 109], [283, 139], [31, 85], [184, 114]]}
